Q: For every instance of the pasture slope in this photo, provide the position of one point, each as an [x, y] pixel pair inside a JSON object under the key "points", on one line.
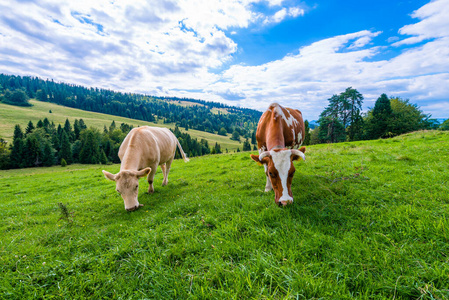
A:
{"points": [[11, 115], [370, 221]]}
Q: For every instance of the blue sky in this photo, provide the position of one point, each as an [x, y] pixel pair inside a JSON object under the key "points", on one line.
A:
{"points": [[240, 52]]}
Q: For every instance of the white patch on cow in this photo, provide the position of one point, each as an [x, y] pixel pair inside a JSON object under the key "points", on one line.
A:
{"points": [[290, 120], [263, 149], [300, 138], [281, 161]]}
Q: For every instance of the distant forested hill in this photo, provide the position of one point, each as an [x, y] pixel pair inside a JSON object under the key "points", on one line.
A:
{"points": [[203, 115]]}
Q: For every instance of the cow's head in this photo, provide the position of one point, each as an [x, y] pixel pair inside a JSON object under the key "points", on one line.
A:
{"points": [[279, 169], [127, 184]]}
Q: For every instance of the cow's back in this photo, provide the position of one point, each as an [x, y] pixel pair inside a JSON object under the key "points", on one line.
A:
{"points": [[280, 127], [144, 145]]}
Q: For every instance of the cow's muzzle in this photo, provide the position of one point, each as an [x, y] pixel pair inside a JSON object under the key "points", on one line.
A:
{"points": [[283, 203], [134, 208]]}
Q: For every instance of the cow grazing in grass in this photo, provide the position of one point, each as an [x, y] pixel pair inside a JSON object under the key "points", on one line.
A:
{"points": [[142, 150], [280, 133]]}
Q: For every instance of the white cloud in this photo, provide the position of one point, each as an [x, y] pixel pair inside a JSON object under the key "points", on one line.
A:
{"points": [[434, 23], [169, 47], [284, 13]]}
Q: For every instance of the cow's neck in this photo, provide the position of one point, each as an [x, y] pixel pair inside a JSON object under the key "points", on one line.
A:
{"points": [[275, 137], [131, 159]]}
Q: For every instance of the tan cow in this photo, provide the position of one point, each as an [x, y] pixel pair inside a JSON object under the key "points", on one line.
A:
{"points": [[142, 150], [280, 133]]}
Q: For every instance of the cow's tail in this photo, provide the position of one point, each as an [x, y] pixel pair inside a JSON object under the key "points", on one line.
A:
{"points": [[184, 156]]}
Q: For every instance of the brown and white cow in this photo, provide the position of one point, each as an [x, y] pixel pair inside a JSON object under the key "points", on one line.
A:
{"points": [[142, 150], [280, 133]]}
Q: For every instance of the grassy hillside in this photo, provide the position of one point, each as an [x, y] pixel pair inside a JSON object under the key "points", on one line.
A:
{"points": [[369, 221], [12, 115]]}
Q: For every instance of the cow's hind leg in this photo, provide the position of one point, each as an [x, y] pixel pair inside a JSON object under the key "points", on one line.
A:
{"points": [[165, 170], [268, 186], [150, 178]]}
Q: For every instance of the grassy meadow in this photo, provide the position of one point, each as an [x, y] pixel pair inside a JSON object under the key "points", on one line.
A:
{"points": [[11, 115], [370, 221]]}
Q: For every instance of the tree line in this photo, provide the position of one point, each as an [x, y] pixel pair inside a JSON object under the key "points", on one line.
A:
{"points": [[16, 90], [342, 120], [46, 144]]}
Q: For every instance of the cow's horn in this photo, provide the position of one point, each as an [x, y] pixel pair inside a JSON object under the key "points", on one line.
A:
{"points": [[264, 154], [299, 153]]}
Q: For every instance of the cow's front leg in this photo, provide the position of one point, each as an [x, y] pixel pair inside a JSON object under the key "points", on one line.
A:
{"points": [[268, 186], [150, 179]]}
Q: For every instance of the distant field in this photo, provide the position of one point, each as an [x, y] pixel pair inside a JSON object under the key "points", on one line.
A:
{"points": [[370, 221], [12, 115]]}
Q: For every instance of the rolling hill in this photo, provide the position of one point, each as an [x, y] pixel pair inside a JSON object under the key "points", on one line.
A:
{"points": [[11, 115]]}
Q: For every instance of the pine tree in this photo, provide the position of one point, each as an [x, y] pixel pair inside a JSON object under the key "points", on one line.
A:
{"points": [[112, 126], [29, 128], [246, 145], [68, 130], [307, 133], [32, 156], [76, 129], [66, 151], [90, 151], [18, 133], [15, 157], [253, 138], [48, 158], [378, 118], [82, 125], [217, 148]]}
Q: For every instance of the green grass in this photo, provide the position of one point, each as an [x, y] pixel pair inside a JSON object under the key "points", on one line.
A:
{"points": [[11, 115], [369, 222]]}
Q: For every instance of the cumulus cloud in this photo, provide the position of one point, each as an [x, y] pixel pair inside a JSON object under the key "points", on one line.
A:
{"points": [[434, 23], [175, 48], [284, 13]]}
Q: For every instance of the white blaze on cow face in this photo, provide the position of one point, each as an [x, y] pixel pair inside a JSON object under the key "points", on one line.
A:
{"points": [[283, 164]]}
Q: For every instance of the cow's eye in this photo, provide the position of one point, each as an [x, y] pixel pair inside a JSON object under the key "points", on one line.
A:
{"points": [[136, 187], [272, 174], [118, 191], [291, 174]]}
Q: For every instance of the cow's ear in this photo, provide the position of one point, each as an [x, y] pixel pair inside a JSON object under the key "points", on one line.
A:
{"points": [[302, 149], [256, 159], [143, 172], [109, 175]]}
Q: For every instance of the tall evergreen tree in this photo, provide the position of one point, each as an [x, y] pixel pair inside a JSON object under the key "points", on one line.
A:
{"points": [[246, 145], [307, 133], [253, 138], [32, 155], [82, 124], [378, 118], [353, 100], [48, 158], [66, 151], [18, 133], [29, 128], [90, 150], [112, 126], [15, 158], [76, 129], [68, 130]]}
